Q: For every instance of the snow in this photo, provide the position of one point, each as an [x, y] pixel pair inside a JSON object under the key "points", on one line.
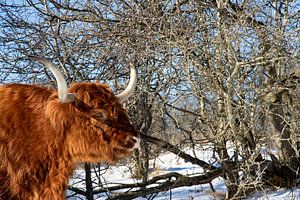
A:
{"points": [[168, 162]]}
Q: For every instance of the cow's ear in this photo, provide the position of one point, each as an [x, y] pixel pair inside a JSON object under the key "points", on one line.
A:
{"points": [[61, 116], [98, 115]]}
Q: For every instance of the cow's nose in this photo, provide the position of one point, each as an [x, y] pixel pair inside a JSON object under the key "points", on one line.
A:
{"points": [[137, 142]]}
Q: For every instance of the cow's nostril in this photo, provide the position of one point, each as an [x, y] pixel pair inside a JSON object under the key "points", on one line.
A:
{"points": [[136, 140]]}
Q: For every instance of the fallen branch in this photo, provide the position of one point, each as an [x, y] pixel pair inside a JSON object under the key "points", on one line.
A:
{"points": [[169, 147], [180, 181]]}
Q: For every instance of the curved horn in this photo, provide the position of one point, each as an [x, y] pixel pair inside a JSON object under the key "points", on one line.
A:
{"points": [[63, 94], [123, 96]]}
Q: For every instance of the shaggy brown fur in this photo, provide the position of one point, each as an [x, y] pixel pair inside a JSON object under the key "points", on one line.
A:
{"points": [[42, 140]]}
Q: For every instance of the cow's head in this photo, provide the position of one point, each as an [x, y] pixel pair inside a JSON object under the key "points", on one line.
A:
{"points": [[95, 126]]}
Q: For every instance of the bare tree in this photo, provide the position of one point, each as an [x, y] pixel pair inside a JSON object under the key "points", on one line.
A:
{"points": [[217, 73]]}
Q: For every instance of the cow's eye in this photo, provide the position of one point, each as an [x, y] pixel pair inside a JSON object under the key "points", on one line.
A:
{"points": [[99, 114]]}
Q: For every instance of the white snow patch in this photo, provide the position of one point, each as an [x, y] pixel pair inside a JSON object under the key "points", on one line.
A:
{"points": [[168, 162]]}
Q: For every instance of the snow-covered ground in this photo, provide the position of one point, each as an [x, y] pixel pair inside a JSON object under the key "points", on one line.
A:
{"points": [[168, 162]]}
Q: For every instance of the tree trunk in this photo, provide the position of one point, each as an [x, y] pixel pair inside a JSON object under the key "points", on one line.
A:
{"points": [[88, 182]]}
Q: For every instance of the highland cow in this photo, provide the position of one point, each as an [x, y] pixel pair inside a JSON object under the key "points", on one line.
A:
{"points": [[45, 133]]}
